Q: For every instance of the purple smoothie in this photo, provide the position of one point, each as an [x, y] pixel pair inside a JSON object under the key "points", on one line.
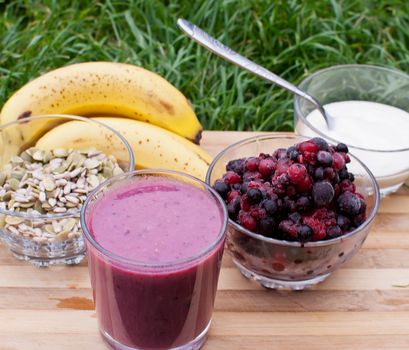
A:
{"points": [[157, 289]]}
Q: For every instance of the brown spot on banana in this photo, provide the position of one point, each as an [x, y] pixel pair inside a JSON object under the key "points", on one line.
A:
{"points": [[198, 137], [169, 108], [24, 115]]}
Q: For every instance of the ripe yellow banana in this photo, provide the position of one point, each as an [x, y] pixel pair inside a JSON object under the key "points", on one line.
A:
{"points": [[108, 89], [153, 146]]}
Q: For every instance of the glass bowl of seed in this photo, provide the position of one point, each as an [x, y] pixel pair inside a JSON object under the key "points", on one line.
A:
{"points": [[48, 165]]}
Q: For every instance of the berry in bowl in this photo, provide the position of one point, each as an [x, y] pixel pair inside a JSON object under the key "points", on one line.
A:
{"points": [[296, 213]]}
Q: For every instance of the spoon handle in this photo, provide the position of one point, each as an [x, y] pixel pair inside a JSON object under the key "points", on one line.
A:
{"points": [[228, 54]]}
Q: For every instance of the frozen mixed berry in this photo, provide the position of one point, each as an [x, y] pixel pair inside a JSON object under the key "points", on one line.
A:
{"points": [[322, 193], [233, 208], [297, 173], [339, 161], [324, 158], [304, 233], [254, 195], [303, 193], [271, 207], [343, 222], [266, 167], [231, 178], [342, 147], [334, 231], [236, 166], [303, 203], [267, 226], [221, 188], [293, 153], [321, 143], [349, 203], [232, 195], [319, 173], [252, 164]]}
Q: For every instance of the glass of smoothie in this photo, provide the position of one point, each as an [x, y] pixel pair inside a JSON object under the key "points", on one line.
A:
{"points": [[370, 106], [155, 241]]}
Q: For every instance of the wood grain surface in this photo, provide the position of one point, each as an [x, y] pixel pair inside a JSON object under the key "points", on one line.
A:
{"points": [[364, 305]]}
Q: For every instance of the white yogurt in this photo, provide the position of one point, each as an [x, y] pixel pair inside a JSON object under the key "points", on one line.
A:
{"points": [[368, 125]]}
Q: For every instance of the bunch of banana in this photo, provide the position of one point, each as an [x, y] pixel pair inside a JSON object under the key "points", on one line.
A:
{"points": [[153, 146], [129, 97]]}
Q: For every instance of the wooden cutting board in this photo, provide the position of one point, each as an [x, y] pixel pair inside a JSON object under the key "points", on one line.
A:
{"points": [[364, 305]]}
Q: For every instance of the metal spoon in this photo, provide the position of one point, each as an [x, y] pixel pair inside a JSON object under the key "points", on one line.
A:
{"points": [[228, 54]]}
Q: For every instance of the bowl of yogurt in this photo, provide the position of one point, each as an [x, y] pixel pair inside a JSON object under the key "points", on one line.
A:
{"points": [[370, 109]]}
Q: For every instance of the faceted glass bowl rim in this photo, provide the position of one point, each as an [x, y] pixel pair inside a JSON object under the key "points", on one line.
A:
{"points": [[316, 74], [141, 264], [69, 117], [261, 138]]}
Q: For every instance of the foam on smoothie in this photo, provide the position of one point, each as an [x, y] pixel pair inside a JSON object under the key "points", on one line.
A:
{"points": [[156, 221]]}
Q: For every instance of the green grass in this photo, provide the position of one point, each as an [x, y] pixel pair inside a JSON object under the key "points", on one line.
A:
{"points": [[291, 38]]}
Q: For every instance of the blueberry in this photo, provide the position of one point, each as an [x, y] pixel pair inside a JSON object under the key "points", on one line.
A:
{"points": [[343, 222], [349, 203], [335, 179], [221, 188], [321, 143], [270, 206], [334, 231], [303, 203], [343, 173], [236, 165], [233, 208], [267, 226], [322, 193], [351, 177], [244, 187], [359, 219], [289, 204], [319, 173], [324, 158], [254, 195], [304, 233], [292, 153], [342, 147]]}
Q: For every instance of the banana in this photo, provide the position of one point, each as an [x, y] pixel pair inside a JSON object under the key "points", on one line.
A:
{"points": [[104, 88], [153, 146]]}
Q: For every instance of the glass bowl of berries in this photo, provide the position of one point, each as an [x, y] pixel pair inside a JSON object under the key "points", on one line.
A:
{"points": [[296, 212]]}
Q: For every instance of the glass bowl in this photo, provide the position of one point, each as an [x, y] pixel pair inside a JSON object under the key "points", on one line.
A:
{"points": [[361, 83], [277, 263], [24, 233]]}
